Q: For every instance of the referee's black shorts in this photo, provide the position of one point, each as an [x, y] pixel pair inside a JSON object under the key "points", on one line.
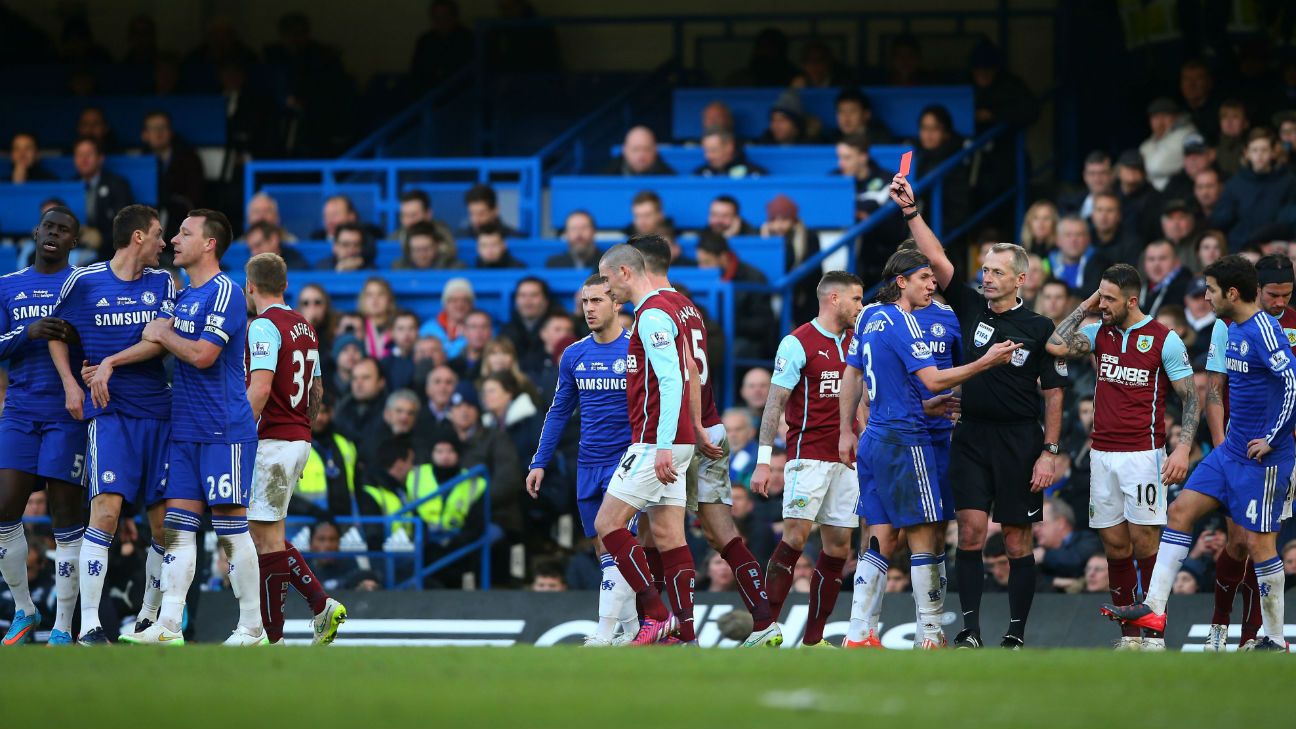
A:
{"points": [[990, 470]]}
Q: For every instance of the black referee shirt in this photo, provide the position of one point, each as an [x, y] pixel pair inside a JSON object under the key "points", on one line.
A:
{"points": [[1008, 393]]}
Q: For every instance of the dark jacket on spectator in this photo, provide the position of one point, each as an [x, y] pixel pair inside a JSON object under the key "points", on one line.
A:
{"points": [[494, 449], [508, 260], [1141, 212], [110, 193], [526, 339], [1069, 559], [954, 191], [737, 169], [567, 260], [617, 166], [180, 183], [352, 418], [1250, 201]]}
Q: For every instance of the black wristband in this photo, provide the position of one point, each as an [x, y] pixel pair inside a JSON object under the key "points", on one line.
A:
{"points": [[911, 216]]}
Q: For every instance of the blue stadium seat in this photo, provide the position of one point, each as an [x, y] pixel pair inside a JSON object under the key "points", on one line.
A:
{"points": [[301, 205], [20, 204], [139, 170], [766, 254], [420, 291], [898, 108], [805, 159], [200, 120], [825, 202]]}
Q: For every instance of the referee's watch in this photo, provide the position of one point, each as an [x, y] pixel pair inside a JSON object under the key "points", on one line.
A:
{"points": [[1051, 448]]}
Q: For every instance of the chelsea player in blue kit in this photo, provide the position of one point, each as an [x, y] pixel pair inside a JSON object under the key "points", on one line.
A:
{"points": [[1247, 476], [109, 304], [213, 435], [44, 447], [592, 372], [944, 339], [895, 452]]}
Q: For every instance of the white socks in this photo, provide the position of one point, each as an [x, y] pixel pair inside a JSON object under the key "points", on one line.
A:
{"points": [[1270, 576], [866, 598], [178, 565], [244, 567], [13, 565], [928, 593], [67, 552], [152, 601], [608, 608], [94, 570], [1170, 556]]}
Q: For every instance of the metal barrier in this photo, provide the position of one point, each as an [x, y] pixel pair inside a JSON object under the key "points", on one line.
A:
{"points": [[393, 177], [933, 183]]}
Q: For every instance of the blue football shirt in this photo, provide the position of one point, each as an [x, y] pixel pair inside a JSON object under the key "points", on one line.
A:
{"points": [[593, 377], [35, 391], [110, 314], [888, 349], [944, 337], [211, 405], [1262, 386]]}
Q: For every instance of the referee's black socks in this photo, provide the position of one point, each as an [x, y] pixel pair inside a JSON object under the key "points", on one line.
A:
{"points": [[969, 569], [1021, 592]]}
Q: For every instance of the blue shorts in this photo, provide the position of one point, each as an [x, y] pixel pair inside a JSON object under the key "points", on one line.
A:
{"points": [[591, 484], [127, 456], [896, 484], [50, 450], [941, 452], [1252, 493], [218, 474]]}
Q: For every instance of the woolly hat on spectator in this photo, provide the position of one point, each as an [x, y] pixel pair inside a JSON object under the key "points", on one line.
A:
{"points": [[465, 394], [446, 435], [1197, 287], [345, 341], [781, 206], [1163, 105], [1282, 117], [1176, 205], [789, 104], [1130, 158], [1194, 144]]}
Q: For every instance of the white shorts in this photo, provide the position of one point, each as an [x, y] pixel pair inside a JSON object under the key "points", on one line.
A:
{"points": [[635, 480], [1126, 487], [279, 466], [824, 492], [708, 479]]}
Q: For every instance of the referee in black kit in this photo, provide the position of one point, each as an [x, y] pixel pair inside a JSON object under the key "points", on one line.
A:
{"points": [[1000, 458]]}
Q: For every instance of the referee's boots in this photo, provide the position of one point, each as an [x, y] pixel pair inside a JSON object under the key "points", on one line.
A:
{"points": [[967, 639]]}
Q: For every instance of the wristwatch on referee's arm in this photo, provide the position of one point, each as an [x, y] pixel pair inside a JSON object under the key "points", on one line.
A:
{"points": [[1051, 448]]}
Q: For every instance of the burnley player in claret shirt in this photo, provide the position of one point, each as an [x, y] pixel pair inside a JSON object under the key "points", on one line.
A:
{"points": [[285, 391], [1139, 360]]}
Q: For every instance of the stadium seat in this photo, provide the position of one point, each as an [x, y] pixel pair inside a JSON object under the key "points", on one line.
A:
{"points": [[420, 291], [898, 108], [301, 205], [805, 159], [825, 202], [20, 204], [140, 170], [199, 120]]}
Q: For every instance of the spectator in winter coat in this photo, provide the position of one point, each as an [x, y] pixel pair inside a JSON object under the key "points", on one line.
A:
{"points": [[1253, 197]]}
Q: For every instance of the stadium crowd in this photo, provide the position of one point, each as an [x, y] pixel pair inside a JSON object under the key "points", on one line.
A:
{"points": [[411, 397]]}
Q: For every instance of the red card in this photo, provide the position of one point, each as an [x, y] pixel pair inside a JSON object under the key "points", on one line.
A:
{"points": [[905, 160]]}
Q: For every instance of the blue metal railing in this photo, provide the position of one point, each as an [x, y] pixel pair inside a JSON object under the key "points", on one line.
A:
{"points": [[932, 183], [568, 152], [391, 176], [419, 113]]}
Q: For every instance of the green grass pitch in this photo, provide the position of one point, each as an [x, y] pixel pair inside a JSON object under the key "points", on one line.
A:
{"points": [[662, 688]]}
